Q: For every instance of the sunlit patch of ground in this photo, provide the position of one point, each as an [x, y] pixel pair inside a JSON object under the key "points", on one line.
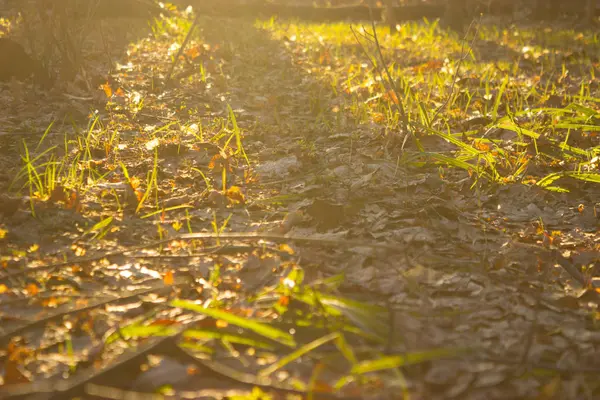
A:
{"points": [[254, 220]]}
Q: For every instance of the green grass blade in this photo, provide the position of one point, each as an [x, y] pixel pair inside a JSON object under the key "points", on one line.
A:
{"points": [[584, 176], [44, 136], [390, 362], [226, 337], [254, 326], [298, 353]]}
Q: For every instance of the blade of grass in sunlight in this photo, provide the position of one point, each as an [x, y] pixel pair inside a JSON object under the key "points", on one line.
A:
{"points": [[549, 179], [136, 330], [196, 348], [368, 318], [390, 362], [151, 182], [498, 98], [298, 353], [29, 169], [255, 326], [226, 337], [44, 136], [455, 162], [587, 177], [344, 347], [100, 229], [164, 210], [237, 134], [140, 331]]}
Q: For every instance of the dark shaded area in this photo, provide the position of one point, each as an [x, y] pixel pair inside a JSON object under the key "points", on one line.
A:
{"points": [[41, 17], [102, 9], [126, 8], [16, 63], [316, 14], [454, 9]]}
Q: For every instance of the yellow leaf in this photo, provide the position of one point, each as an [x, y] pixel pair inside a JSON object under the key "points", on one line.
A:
{"points": [[135, 182], [284, 300], [391, 96], [221, 324], [52, 302], [378, 118], [479, 145], [285, 248], [177, 225], [193, 52], [168, 278], [107, 89], [235, 194], [32, 289]]}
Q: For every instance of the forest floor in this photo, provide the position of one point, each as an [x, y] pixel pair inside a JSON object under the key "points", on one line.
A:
{"points": [[259, 227]]}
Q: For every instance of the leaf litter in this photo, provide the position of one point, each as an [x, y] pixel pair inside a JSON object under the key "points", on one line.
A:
{"points": [[253, 222]]}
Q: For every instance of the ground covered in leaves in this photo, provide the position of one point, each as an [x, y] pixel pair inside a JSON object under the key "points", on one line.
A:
{"points": [[257, 225]]}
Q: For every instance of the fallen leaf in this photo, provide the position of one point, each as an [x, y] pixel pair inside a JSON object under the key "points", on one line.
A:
{"points": [[32, 289], [168, 278]]}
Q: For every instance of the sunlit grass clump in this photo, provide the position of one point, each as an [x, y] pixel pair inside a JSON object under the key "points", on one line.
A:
{"points": [[505, 98]]}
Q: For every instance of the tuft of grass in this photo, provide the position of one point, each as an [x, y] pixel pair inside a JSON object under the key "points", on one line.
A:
{"points": [[439, 92], [264, 330]]}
